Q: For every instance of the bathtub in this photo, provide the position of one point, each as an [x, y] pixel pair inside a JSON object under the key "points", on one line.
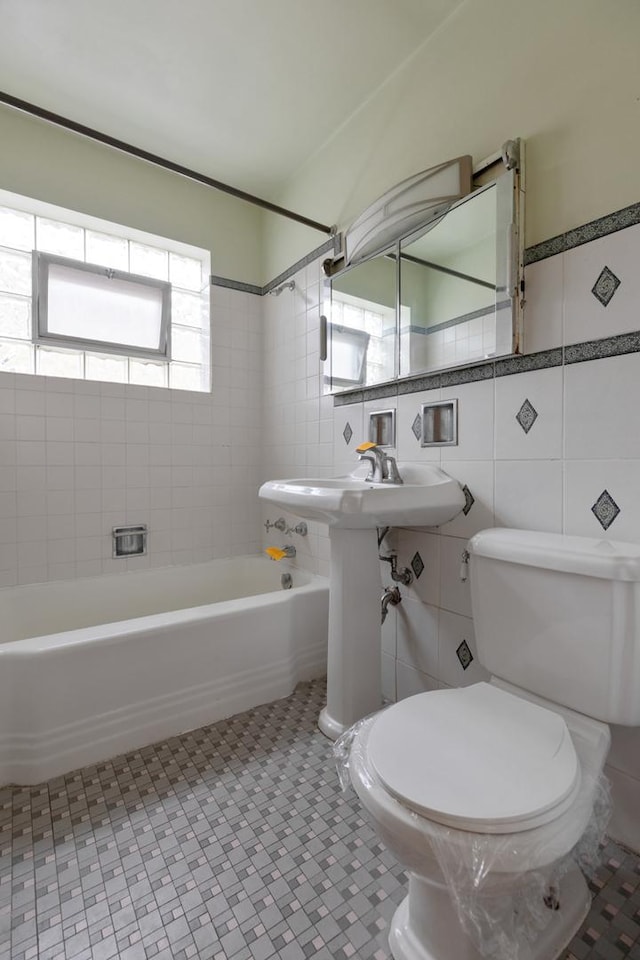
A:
{"points": [[94, 667]]}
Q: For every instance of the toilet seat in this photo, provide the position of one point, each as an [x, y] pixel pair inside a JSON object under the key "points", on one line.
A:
{"points": [[476, 758]]}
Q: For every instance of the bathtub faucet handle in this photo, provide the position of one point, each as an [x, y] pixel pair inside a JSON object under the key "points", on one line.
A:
{"points": [[280, 524], [300, 528]]}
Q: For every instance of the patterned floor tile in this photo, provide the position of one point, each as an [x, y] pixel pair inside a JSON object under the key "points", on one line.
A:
{"points": [[231, 842]]}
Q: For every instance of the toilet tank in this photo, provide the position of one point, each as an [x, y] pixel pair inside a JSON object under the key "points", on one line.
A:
{"points": [[558, 616]]}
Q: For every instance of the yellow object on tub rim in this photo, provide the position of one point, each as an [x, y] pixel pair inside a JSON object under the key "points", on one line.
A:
{"points": [[275, 553], [367, 445]]}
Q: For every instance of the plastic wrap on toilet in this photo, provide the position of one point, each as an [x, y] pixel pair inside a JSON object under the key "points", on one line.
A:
{"points": [[501, 907]]}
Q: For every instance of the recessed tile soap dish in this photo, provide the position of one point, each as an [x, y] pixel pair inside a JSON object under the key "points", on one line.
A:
{"points": [[129, 541], [439, 423], [382, 428]]}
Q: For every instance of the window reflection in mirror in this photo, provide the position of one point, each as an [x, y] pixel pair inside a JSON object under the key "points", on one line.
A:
{"points": [[362, 329], [448, 288], [458, 283]]}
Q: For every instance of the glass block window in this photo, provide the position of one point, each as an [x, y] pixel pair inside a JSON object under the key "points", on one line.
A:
{"points": [[112, 303]]}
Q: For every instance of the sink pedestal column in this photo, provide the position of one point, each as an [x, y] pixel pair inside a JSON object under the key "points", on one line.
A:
{"points": [[354, 681]]}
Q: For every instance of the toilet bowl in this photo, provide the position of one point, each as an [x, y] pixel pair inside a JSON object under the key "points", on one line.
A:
{"points": [[497, 841], [485, 793]]}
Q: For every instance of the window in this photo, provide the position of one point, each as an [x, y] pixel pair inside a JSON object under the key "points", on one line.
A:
{"points": [[80, 304], [85, 298]]}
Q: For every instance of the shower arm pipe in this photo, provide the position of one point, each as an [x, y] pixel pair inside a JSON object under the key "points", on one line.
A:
{"points": [[54, 118]]}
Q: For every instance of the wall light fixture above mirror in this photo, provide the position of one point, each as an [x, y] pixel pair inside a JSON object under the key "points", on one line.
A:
{"points": [[446, 292]]}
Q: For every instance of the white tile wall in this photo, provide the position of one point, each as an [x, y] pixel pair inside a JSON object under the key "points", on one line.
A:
{"points": [[601, 397], [475, 421], [297, 417], [543, 440], [79, 457], [417, 625], [529, 494], [585, 318], [544, 305]]}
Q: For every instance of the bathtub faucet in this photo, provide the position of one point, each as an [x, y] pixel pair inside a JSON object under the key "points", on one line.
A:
{"points": [[287, 552]]}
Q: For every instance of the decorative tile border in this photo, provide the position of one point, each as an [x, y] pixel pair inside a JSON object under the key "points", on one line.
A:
{"points": [[366, 393], [600, 349], [453, 378], [344, 399], [528, 361], [507, 366], [380, 391], [428, 381], [235, 285], [611, 223], [332, 245]]}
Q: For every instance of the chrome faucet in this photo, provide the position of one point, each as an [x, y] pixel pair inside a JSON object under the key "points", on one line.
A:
{"points": [[384, 468]]}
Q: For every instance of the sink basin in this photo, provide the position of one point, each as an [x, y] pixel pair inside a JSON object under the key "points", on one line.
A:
{"points": [[427, 498]]}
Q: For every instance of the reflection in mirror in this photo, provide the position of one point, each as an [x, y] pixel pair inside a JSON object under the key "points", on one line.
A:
{"points": [[448, 288], [449, 293], [362, 329]]}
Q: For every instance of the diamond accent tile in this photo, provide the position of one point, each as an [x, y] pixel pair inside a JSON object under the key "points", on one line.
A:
{"points": [[416, 426], [469, 500], [417, 564], [347, 433], [527, 415], [464, 655], [605, 286], [605, 509]]}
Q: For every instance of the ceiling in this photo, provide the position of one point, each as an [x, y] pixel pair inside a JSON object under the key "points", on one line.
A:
{"points": [[242, 90]]}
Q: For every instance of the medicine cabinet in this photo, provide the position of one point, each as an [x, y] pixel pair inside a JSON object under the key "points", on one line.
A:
{"points": [[441, 292]]}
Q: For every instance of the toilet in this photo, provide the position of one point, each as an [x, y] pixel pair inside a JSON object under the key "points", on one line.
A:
{"points": [[482, 792]]}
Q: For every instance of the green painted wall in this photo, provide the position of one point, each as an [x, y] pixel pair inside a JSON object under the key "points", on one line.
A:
{"points": [[51, 164], [562, 74]]}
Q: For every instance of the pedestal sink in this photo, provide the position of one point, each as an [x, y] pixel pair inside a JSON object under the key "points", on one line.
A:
{"points": [[353, 507]]}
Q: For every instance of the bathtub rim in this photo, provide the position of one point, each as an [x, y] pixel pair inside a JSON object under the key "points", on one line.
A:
{"points": [[114, 630]]}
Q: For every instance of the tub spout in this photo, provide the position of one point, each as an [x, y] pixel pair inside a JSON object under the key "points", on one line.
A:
{"points": [[391, 595], [280, 553]]}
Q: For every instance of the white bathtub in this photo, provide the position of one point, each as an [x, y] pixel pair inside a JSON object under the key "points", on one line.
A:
{"points": [[91, 668]]}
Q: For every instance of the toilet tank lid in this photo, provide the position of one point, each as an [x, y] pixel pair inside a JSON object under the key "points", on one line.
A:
{"points": [[588, 556]]}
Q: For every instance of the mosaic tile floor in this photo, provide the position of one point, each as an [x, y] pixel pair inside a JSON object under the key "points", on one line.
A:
{"points": [[232, 841]]}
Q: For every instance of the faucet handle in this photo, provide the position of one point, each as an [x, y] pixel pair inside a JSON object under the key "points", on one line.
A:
{"points": [[280, 524], [392, 474]]}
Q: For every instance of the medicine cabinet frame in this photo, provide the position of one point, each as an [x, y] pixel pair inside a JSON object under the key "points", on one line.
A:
{"points": [[502, 172]]}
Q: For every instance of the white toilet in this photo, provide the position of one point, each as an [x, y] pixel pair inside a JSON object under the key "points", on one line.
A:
{"points": [[494, 784]]}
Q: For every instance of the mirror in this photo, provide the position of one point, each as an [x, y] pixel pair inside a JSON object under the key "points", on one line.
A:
{"points": [[361, 337], [446, 295]]}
